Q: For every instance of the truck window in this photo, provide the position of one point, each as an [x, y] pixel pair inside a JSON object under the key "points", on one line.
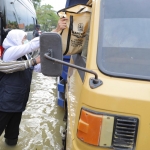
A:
{"points": [[124, 38]]}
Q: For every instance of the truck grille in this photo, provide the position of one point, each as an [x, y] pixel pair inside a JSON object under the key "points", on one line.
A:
{"points": [[125, 132]]}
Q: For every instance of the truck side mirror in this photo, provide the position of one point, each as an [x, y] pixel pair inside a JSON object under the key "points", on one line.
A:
{"points": [[51, 46]]}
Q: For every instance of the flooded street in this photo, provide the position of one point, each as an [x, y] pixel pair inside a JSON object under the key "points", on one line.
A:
{"points": [[42, 123]]}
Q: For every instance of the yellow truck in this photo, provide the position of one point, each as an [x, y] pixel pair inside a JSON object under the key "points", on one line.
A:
{"points": [[110, 110]]}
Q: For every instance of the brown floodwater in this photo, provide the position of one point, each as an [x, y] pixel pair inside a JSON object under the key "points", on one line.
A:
{"points": [[42, 123]]}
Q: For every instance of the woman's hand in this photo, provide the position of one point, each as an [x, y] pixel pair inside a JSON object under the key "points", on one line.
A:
{"points": [[62, 24]]}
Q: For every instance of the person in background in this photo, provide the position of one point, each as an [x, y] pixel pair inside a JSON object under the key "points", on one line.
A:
{"points": [[15, 87], [36, 31]]}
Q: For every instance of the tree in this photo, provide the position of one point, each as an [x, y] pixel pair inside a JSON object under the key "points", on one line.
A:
{"points": [[36, 3], [47, 17]]}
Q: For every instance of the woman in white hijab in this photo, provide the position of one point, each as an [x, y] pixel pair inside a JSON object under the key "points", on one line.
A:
{"points": [[15, 87], [15, 48]]}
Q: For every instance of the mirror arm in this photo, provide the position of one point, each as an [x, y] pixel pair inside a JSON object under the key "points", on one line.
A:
{"points": [[70, 65], [94, 80]]}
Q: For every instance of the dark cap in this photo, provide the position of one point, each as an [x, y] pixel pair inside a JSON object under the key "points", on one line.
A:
{"points": [[37, 26]]}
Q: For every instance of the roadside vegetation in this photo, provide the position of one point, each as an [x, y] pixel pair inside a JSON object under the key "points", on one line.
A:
{"points": [[46, 16]]}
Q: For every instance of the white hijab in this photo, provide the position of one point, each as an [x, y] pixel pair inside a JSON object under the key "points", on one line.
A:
{"points": [[14, 38]]}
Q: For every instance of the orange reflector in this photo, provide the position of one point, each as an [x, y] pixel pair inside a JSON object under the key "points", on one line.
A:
{"points": [[83, 126], [89, 127]]}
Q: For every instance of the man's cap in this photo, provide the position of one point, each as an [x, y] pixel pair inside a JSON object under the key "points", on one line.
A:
{"points": [[37, 26]]}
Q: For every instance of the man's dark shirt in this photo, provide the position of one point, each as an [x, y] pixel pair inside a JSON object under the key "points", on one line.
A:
{"points": [[35, 33]]}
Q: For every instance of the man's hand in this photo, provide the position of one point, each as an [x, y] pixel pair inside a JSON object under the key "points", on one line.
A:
{"points": [[38, 59], [62, 24]]}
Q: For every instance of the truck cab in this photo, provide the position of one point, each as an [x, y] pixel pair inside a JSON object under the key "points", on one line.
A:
{"points": [[115, 114]]}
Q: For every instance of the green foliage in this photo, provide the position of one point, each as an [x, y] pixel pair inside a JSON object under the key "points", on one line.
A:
{"points": [[47, 17], [36, 3]]}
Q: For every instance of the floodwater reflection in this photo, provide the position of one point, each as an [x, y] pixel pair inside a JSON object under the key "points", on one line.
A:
{"points": [[42, 123]]}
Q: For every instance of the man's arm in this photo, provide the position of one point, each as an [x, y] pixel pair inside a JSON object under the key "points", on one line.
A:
{"points": [[14, 66], [62, 24]]}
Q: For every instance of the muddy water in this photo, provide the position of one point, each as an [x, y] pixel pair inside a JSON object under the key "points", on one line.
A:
{"points": [[42, 123]]}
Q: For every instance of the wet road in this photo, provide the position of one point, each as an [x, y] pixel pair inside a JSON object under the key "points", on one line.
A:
{"points": [[42, 123]]}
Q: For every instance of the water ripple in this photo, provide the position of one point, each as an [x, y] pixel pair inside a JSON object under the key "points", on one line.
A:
{"points": [[42, 123]]}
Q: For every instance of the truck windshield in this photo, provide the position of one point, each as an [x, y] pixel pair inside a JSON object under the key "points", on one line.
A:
{"points": [[124, 38]]}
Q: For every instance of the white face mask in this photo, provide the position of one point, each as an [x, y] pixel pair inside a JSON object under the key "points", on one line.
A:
{"points": [[25, 41]]}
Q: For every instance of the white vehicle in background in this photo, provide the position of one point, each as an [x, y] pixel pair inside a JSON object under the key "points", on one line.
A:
{"points": [[18, 14]]}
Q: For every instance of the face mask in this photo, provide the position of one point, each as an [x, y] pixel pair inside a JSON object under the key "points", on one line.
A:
{"points": [[25, 41]]}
